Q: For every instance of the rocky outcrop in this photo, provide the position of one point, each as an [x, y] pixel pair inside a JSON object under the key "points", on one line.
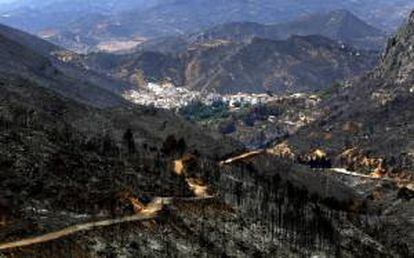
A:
{"points": [[397, 61]]}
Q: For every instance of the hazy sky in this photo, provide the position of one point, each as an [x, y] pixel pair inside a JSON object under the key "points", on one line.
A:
{"points": [[7, 1]]}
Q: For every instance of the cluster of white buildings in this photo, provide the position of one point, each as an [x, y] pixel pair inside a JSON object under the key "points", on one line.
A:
{"points": [[165, 96], [168, 96], [243, 99]]}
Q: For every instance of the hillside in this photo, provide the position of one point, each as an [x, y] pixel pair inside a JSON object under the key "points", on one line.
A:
{"points": [[39, 61], [29, 41], [300, 63], [67, 164], [297, 64], [374, 112], [369, 126]]}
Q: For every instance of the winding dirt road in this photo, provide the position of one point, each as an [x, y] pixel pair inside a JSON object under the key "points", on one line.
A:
{"points": [[75, 229]]}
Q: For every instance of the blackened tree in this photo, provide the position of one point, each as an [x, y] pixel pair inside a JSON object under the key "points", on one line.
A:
{"points": [[169, 146], [181, 146], [129, 141]]}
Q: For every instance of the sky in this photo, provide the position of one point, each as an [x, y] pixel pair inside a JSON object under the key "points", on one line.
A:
{"points": [[9, 1]]}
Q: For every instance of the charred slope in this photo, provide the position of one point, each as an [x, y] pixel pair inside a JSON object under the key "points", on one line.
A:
{"points": [[67, 163], [73, 156]]}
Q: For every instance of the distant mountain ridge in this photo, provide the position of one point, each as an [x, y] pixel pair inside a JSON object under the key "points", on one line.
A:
{"points": [[340, 25], [182, 15], [34, 16]]}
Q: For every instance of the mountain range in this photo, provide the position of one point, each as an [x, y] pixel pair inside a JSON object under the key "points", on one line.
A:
{"points": [[300, 63], [64, 22]]}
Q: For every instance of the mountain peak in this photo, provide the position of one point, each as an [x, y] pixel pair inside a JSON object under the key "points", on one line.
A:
{"points": [[343, 13]]}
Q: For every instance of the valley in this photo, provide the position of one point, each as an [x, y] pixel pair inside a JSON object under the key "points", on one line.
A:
{"points": [[155, 130]]}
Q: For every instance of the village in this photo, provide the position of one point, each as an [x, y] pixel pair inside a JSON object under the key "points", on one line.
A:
{"points": [[168, 96]]}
